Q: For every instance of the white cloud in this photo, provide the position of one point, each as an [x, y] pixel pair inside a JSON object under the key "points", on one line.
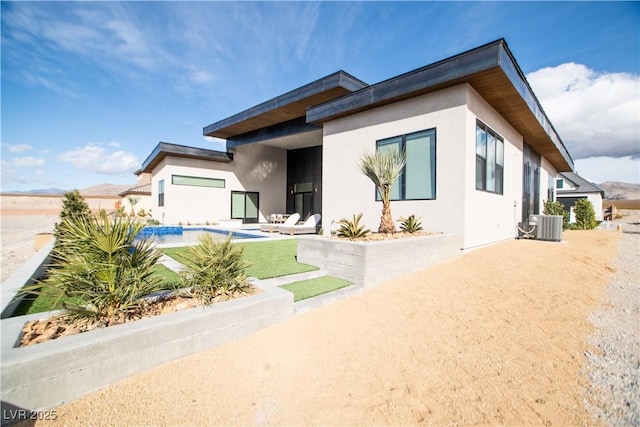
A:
{"points": [[28, 162], [95, 158], [17, 148], [596, 114], [602, 169]]}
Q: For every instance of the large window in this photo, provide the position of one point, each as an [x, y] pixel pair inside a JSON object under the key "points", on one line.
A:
{"points": [[161, 192], [418, 178], [489, 160], [197, 181], [245, 205]]}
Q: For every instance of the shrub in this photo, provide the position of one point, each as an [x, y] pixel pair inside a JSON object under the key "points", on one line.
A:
{"points": [[585, 215], [352, 229], [214, 268], [98, 265], [74, 207], [410, 224], [556, 208]]}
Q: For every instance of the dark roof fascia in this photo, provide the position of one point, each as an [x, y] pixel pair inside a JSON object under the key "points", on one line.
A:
{"points": [[516, 76], [291, 127], [337, 79], [445, 73], [164, 149], [442, 73]]}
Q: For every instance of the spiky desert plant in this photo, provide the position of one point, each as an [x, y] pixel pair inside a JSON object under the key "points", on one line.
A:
{"points": [[410, 224], [351, 228], [214, 268], [133, 201], [383, 168], [100, 266]]}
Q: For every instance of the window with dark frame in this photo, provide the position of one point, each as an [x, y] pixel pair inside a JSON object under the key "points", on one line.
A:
{"points": [[197, 181], [489, 160], [161, 192], [560, 183], [418, 178]]}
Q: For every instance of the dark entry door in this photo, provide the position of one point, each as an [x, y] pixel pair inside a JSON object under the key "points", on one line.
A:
{"points": [[304, 204], [245, 205], [530, 183]]}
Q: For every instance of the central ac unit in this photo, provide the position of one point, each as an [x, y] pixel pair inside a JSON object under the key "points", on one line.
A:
{"points": [[549, 227]]}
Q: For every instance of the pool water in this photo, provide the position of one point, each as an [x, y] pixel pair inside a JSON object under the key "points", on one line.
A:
{"points": [[163, 235]]}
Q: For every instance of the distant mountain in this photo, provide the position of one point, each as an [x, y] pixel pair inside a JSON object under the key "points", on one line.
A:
{"points": [[614, 190], [95, 190], [39, 192], [106, 189]]}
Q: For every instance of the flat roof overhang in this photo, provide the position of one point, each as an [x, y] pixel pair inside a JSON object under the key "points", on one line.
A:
{"points": [[286, 107], [165, 149], [491, 70]]}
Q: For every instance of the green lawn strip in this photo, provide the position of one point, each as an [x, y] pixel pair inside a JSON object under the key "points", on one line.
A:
{"points": [[44, 303], [268, 259], [312, 287]]}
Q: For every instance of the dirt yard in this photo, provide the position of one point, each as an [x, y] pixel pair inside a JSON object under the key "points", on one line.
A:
{"points": [[495, 337], [22, 217]]}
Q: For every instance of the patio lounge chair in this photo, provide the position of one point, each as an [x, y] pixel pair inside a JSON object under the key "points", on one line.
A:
{"points": [[274, 228], [309, 226]]}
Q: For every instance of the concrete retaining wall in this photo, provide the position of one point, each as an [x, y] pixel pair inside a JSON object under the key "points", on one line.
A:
{"points": [[31, 270], [372, 263], [45, 375]]}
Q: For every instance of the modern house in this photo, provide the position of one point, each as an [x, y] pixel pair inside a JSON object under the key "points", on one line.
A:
{"points": [[481, 153], [570, 187]]}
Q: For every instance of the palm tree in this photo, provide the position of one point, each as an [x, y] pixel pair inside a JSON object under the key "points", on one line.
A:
{"points": [[383, 168], [133, 201]]}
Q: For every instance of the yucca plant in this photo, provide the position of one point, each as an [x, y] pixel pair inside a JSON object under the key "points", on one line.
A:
{"points": [[214, 268], [98, 265], [351, 228], [383, 168], [410, 224]]}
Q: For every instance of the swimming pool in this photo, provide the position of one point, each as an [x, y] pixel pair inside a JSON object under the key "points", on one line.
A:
{"points": [[179, 234]]}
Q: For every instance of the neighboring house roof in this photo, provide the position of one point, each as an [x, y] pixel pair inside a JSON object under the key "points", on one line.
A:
{"points": [[286, 107], [165, 149], [143, 190], [581, 185]]}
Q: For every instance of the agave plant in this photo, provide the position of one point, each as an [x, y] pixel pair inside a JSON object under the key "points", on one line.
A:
{"points": [[352, 229], [99, 265], [410, 224], [383, 168], [214, 268]]}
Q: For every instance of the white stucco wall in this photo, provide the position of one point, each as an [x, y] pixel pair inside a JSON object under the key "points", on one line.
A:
{"points": [[255, 167], [480, 217], [491, 217], [346, 191]]}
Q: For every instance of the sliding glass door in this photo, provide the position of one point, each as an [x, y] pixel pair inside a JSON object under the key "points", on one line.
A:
{"points": [[245, 205]]}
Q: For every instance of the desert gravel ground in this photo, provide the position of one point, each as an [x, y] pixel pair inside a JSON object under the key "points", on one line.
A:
{"points": [[613, 365], [521, 332], [498, 336]]}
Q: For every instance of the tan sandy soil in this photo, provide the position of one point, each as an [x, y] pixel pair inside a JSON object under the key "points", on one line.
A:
{"points": [[494, 337], [22, 217]]}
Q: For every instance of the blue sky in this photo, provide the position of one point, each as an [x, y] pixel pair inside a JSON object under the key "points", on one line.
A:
{"points": [[90, 88]]}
